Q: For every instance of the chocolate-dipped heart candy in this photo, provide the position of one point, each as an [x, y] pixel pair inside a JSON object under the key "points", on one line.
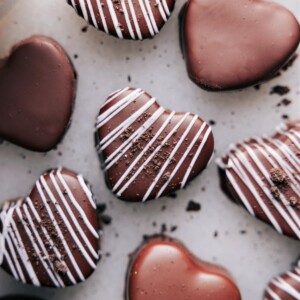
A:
{"points": [[263, 175], [147, 151], [232, 44], [164, 269], [285, 286], [50, 238], [125, 19], [37, 91]]}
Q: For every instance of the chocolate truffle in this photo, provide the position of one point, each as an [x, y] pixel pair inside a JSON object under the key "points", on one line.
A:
{"points": [[125, 19], [263, 175], [148, 151], [37, 91], [232, 44], [164, 269], [50, 238], [285, 286]]}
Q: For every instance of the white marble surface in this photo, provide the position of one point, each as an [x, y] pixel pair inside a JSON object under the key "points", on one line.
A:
{"points": [[104, 64]]}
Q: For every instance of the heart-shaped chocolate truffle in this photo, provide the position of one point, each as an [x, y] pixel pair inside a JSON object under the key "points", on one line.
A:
{"points": [[285, 286], [164, 269], [37, 91], [125, 19], [235, 44], [50, 238], [263, 175], [147, 151]]}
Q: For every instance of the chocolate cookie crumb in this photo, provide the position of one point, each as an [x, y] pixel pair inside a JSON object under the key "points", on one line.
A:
{"points": [[278, 176], [280, 90], [193, 206], [275, 192]]}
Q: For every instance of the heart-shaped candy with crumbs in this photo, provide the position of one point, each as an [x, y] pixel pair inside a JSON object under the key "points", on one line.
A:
{"points": [[164, 269], [263, 175], [50, 238], [125, 19], [234, 44], [148, 151], [37, 91], [285, 286]]}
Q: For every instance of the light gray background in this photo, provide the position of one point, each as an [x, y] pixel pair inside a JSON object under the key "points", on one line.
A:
{"points": [[103, 65]]}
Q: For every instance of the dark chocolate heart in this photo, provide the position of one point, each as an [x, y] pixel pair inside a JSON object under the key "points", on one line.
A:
{"points": [[37, 91], [263, 175], [125, 19], [50, 238], [164, 269], [234, 44], [147, 151], [285, 286]]}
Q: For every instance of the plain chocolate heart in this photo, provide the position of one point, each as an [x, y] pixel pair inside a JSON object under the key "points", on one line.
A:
{"points": [[147, 151], [126, 19], [37, 91], [50, 238], [164, 269], [263, 175], [285, 286], [234, 44]]}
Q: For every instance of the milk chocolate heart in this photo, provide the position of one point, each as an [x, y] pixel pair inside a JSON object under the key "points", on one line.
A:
{"points": [[147, 151], [164, 269], [125, 19], [50, 238], [263, 175], [234, 44], [285, 286], [37, 91]]}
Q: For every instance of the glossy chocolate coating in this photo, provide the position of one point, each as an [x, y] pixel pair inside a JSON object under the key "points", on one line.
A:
{"points": [[50, 238], [232, 44], [37, 91], [126, 19], [285, 286], [262, 174], [147, 151], [164, 269]]}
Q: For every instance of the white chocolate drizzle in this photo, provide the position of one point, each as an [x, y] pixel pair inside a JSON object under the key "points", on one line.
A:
{"points": [[117, 106], [21, 237]]}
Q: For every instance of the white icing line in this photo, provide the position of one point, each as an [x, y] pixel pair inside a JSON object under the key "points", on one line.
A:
{"points": [[36, 248], [113, 111], [103, 20], [119, 129], [182, 159], [41, 244], [127, 144], [135, 20], [86, 191], [168, 160], [126, 185], [150, 13], [45, 232], [84, 11], [195, 158], [149, 25], [128, 23], [114, 18], [68, 250], [73, 218], [92, 13], [76, 205]]}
